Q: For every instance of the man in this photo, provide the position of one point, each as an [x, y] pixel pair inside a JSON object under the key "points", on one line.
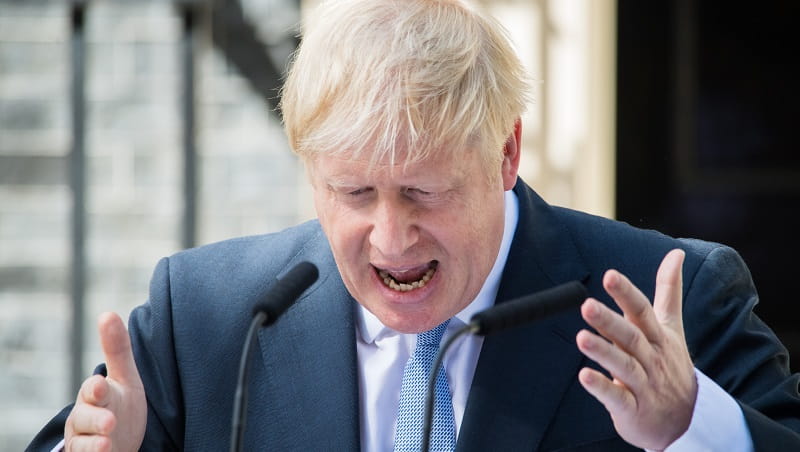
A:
{"points": [[406, 114]]}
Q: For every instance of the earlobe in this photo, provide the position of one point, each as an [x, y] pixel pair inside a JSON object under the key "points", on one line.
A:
{"points": [[511, 155]]}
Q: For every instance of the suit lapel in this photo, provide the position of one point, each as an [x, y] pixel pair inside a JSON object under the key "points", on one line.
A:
{"points": [[522, 373], [309, 379]]}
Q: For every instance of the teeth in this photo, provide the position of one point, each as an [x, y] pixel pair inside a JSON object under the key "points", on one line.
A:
{"points": [[405, 287]]}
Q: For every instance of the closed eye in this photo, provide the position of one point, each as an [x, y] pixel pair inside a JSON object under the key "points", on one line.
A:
{"points": [[359, 191], [420, 194]]}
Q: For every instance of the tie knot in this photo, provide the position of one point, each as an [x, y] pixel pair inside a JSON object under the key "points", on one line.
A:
{"points": [[432, 337]]}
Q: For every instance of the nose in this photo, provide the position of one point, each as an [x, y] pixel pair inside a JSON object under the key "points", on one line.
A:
{"points": [[394, 230]]}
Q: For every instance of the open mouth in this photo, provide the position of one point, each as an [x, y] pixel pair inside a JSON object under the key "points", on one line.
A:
{"points": [[410, 279]]}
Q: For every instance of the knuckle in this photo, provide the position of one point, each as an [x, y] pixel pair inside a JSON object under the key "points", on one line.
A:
{"points": [[73, 444], [91, 389], [86, 388], [630, 403], [72, 425], [632, 339], [84, 442], [641, 308], [631, 365], [68, 429], [106, 422], [660, 366]]}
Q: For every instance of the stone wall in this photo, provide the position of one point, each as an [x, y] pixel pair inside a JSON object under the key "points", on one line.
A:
{"points": [[249, 182]]}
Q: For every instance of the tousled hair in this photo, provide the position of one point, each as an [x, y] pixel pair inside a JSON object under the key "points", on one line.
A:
{"points": [[393, 81]]}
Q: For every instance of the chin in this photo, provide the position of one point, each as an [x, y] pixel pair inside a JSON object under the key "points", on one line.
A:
{"points": [[411, 322]]}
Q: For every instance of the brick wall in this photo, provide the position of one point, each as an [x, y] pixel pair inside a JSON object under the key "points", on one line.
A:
{"points": [[249, 181]]}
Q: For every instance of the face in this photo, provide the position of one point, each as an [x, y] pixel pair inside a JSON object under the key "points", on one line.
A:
{"points": [[413, 244]]}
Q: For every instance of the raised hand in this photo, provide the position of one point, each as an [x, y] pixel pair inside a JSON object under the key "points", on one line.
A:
{"points": [[110, 413], [652, 394]]}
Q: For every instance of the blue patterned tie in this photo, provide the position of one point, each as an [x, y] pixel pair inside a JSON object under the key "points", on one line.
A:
{"points": [[411, 410]]}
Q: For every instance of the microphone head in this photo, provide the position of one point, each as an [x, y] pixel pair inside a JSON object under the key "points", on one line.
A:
{"points": [[529, 308], [285, 291]]}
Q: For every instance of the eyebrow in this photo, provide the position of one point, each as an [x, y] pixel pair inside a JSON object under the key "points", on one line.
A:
{"points": [[341, 182]]}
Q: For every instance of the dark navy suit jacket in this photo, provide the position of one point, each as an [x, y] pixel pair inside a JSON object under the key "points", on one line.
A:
{"points": [[525, 395]]}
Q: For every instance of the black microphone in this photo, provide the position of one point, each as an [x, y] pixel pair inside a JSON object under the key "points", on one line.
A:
{"points": [[285, 292], [282, 294], [529, 308], [516, 312]]}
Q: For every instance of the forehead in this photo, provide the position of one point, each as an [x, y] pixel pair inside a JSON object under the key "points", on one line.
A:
{"points": [[438, 167]]}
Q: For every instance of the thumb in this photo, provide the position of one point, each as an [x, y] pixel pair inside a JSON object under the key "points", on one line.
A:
{"points": [[668, 300], [116, 345]]}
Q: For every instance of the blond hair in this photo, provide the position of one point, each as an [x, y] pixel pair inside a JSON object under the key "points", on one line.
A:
{"points": [[400, 79]]}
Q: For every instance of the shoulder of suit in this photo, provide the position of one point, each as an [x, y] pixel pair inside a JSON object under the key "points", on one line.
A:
{"points": [[265, 253], [288, 241], [599, 235]]}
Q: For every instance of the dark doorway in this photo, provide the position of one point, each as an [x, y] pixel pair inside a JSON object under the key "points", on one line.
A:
{"points": [[708, 98]]}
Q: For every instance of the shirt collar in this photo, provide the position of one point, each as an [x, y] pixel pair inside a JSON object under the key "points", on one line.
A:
{"points": [[371, 329]]}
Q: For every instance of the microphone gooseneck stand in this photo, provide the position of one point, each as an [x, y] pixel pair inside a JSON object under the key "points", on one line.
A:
{"points": [[240, 397]]}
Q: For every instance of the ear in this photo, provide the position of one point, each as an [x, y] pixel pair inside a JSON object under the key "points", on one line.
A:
{"points": [[511, 155]]}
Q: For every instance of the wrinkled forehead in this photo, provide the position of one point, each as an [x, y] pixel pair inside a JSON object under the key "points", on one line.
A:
{"points": [[344, 167], [403, 151], [400, 158]]}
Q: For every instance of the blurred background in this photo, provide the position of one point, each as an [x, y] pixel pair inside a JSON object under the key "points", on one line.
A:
{"points": [[130, 130]]}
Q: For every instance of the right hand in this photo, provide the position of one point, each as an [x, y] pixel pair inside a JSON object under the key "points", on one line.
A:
{"points": [[110, 413]]}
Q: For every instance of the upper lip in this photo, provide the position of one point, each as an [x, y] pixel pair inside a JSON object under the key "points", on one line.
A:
{"points": [[405, 268]]}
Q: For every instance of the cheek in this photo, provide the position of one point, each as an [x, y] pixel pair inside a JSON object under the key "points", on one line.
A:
{"points": [[458, 236], [326, 213], [479, 231], [480, 219], [345, 234]]}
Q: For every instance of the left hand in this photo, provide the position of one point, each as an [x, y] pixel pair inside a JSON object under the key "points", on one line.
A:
{"points": [[652, 395]]}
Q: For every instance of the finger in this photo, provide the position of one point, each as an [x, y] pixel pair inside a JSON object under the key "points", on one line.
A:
{"points": [[621, 365], [634, 304], [88, 419], [616, 329], [91, 443], [668, 300], [94, 391], [616, 398], [116, 346]]}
